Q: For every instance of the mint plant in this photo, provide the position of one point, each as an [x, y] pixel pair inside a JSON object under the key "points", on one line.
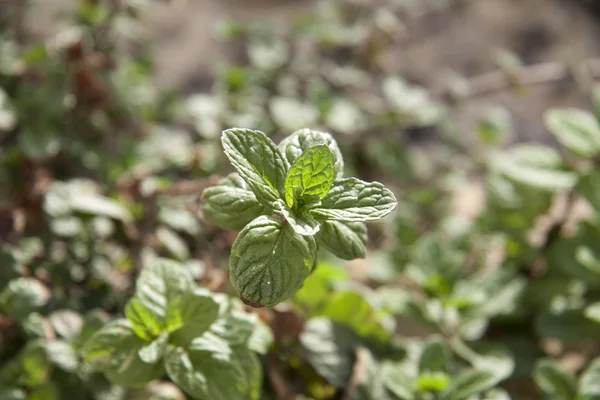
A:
{"points": [[290, 199], [203, 342]]}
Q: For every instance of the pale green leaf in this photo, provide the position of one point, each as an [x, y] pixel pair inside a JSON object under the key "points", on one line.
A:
{"points": [[235, 327], [346, 240], [96, 204], [230, 203], [593, 312], [329, 348], [468, 383], [160, 282], [261, 338], [269, 261], [23, 296], [111, 345], [258, 161], [353, 200], [575, 129], [397, 381], [145, 323], [66, 323], [62, 354], [554, 380], [311, 175], [589, 383], [154, 351]]}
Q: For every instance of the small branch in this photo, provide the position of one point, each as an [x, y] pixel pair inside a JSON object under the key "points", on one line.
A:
{"points": [[278, 383], [524, 76]]}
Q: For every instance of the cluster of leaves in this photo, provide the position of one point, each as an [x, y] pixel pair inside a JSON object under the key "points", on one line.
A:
{"points": [[301, 183]]}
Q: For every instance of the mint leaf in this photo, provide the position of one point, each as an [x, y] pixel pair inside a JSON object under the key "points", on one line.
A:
{"points": [[253, 370], [207, 375], [346, 240], [553, 380], [145, 323], [154, 351], [329, 348], [589, 383], [353, 200], [269, 261], [304, 224], [258, 162], [111, 345], [469, 383], [298, 142], [160, 282], [575, 129], [196, 313], [311, 175], [230, 203]]}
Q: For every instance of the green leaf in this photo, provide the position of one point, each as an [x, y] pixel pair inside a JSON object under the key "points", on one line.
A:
{"points": [[434, 356], [575, 129], [566, 325], [303, 224], [346, 240], [230, 203], [310, 176], [468, 383], [554, 381], [397, 381], [62, 355], [23, 296], [261, 339], [114, 350], [146, 324], [207, 375], [111, 345], [253, 370], [589, 187], [589, 383], [96, 204], [235, 326], [47, 391], [8, 393], [293, 146], [66, 323], [353, 200], [351, 308], [160, 282], [318, 286], [536, 166], [195, 312], [269, 261], [329, 349], [258, 161], [593, 312], [366, 378], [154, 351]]}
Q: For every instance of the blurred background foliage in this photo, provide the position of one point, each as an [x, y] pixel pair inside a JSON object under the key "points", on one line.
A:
{"points": [[483, 285]]}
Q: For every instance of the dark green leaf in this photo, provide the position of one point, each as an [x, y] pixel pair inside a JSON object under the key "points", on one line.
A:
{"points": [[258, 161], [554, 381], [434, 356], [303, 224], [353, 200], [230, 203], [346, 240], [269, 261]]}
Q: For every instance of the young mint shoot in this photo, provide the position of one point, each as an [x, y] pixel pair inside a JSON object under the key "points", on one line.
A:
{"points": [[288, 200]]}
